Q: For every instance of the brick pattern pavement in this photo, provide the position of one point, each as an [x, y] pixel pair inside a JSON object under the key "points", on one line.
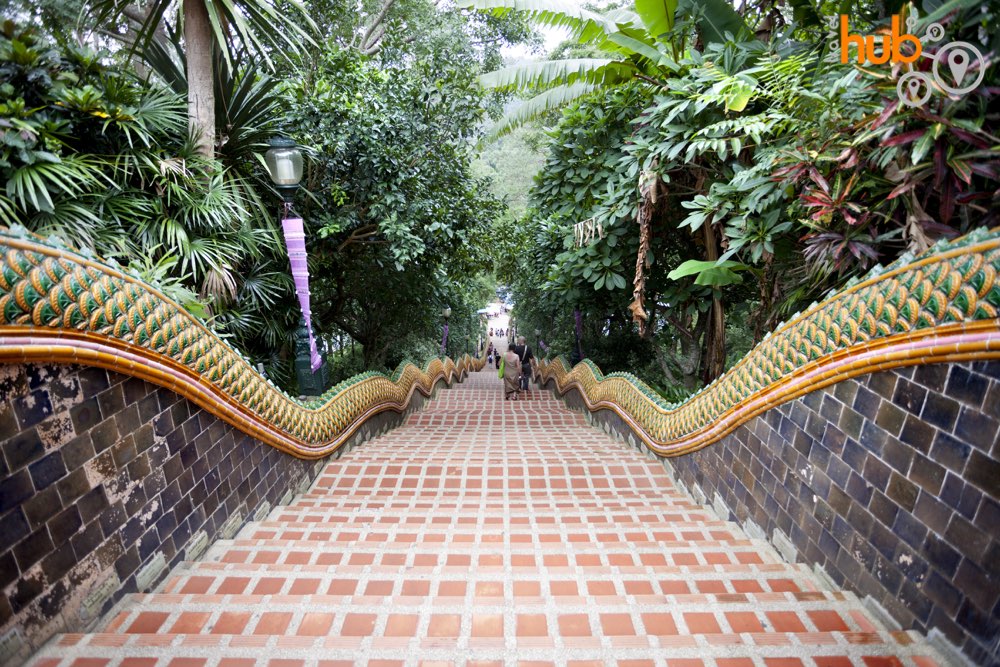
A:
{"points": [[490, 532]]}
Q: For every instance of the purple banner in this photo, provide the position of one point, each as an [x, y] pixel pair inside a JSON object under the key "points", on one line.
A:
{"points": [[295, 242]]}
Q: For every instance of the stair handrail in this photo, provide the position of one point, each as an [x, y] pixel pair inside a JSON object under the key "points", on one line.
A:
{"points": [[940, 306], [65, 306]]}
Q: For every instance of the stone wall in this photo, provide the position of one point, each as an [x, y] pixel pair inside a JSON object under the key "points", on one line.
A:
{"points": [[106, 482], [890, 483]]}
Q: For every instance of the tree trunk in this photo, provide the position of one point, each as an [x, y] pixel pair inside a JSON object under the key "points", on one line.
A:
{"points": [[198, 46], [715, 336], [770, 294]]}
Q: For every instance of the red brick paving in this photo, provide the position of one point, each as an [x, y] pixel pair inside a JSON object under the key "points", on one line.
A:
{"points": [[485, 532]]}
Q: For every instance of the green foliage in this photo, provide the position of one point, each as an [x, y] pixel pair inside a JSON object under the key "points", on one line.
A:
{"points": [[657, 16], [103, 160], [395, 212], [803, 171], [646, 43], [256, 25], [712, 273]]}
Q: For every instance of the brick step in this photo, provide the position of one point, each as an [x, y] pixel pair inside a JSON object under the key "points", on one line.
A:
{"points": [[466, 465], [438, 503], [224, 578], [521, 542], [697, 528], [510, 465], [107, 650], [368, 555], [491, 541], [668, 531], [318, 619], [450, 504], [464, 555], [493, 517], [519, 506], [493, 509], [491, 531], [438, 491], [399, 451], [751, 612], [487, 512]]}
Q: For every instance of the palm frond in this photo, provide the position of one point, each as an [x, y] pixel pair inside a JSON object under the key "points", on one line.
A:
{"points": [[630, 40], [584, 25], [263, 288], [166, 59], [237, 24], [71, 220], [260, 26], [553, 98], [8, 212], [247, 110], [158, 113], [219, 283], [657, 15], [544, 73], [33, 185]]}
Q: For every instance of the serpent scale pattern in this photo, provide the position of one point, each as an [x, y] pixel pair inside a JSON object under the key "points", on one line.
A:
{"points": [[61, 306], [942, 306]]}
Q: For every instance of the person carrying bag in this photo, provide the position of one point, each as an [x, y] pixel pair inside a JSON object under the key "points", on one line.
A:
{"points": [[526, 357], [510, 371]]}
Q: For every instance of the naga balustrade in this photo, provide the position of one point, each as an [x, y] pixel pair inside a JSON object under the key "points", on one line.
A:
{"points": [[63, 306], [940, 306]]}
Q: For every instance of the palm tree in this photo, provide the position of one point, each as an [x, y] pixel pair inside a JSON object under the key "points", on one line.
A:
{"points": [[644, 44], [211, 26]]}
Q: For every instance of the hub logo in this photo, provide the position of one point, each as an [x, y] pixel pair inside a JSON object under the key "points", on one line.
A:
{"points": [[957, 67], [891, 44]]}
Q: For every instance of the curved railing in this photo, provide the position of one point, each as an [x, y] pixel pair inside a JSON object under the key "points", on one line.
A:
{"points": [[62, 306], [941, 306]]}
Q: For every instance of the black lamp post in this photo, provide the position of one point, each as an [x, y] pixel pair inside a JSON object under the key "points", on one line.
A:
{"points": [[284, 164], [446, 313], [468, 336], [577, 355]]}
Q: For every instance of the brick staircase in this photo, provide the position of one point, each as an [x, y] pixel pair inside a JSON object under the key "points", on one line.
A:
{"points": [[491, 532]]}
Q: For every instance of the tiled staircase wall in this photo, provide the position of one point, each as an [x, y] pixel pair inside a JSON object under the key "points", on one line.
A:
{"points": [[890, 483], [107, 482]]}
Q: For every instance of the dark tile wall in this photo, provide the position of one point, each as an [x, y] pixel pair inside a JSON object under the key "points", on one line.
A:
{"points": [[103, 474], [890, 482]]}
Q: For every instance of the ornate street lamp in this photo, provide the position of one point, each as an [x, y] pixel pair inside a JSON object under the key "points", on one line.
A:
{"points": [[284, 164], [468, 334], [577, 355], [446, 313]]}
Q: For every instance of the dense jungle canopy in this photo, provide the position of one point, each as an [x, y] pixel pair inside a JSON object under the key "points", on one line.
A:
{"points": [[656, 193]]}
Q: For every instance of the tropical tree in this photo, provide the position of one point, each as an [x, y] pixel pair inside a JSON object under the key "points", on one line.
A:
{"points": [[394, 212], [209, 28], [643, 44], [105, 162], [798, 172]]}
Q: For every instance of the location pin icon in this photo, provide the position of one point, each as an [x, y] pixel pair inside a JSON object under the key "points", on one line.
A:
{"points": [[958, 63], [914, 88]]}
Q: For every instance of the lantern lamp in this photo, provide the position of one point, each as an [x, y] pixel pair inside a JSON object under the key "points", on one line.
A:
{"points": [[284, 163]]}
